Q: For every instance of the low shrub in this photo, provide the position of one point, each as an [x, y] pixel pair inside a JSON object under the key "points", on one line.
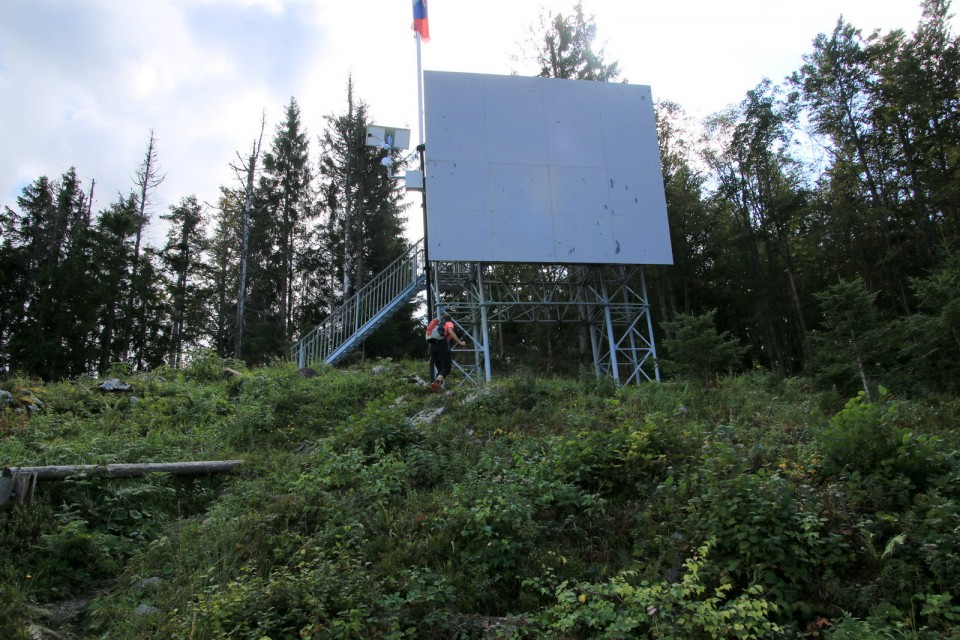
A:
{"points": [[862, 438], [685, 610]]}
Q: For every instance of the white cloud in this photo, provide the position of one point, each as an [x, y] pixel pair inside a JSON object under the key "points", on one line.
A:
{"points": [[83, 82]]}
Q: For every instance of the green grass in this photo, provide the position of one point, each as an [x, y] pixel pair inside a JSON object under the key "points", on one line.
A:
{"points": [[536, 508]]}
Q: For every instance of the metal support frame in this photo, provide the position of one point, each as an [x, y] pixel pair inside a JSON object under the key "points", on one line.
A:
{"points": [[610, 299], [453, 284]]}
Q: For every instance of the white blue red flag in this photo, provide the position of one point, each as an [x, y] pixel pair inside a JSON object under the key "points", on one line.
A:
{"points": [[420, 23]]}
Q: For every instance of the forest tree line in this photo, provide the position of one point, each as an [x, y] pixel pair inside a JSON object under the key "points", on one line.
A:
{"points": [[816, 223], [819, 219], [285, 244]]}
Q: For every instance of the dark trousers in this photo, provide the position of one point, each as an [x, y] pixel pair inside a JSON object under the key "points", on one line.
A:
{"points": [[441, 357]]}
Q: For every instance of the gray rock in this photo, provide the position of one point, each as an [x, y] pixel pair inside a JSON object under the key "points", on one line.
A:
{"points": [[114, 385], [427, 416], [480, 394], [150, 583], [31, 403]]}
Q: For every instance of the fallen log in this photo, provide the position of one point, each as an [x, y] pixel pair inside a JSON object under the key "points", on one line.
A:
{"points": [[131, 470], [19, 482]]}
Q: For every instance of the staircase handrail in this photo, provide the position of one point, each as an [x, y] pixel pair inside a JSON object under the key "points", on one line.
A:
{"points": [[362, 308]]}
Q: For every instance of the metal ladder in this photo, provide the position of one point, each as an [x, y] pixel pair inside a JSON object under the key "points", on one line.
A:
{"points": [[361, 314]]}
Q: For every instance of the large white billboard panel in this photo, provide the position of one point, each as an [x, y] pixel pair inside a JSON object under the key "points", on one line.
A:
{"points": [[542, 170], [507, 243]]}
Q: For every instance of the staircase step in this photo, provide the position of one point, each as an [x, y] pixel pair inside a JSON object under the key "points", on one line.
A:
{"points": [[330, 341]]}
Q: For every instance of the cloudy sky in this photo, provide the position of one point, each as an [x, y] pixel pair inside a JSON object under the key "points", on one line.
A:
{"points": [[83, 82]]}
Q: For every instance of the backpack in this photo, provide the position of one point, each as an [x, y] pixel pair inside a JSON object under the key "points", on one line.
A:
{"points": [[434, 331]]}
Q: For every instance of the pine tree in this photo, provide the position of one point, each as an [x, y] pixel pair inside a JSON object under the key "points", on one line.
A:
{"points": [[189, 285], [848, 344], [564, 47], [282, 207], [363, 230], [153, 340], [46, 246], [695, 348], [226, 256], [246, 171], [113, 249]]}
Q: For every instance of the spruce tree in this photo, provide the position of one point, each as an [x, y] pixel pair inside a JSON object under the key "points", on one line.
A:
{"points": [[565, 47], [226, 246], [47, 249], [188, 287], [363, 230], [282, 207], [113, 249]]}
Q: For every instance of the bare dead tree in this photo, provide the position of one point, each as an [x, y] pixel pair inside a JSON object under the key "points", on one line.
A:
{"points": [[147, 178], [348, 257], [90, 200], [246, 171]]}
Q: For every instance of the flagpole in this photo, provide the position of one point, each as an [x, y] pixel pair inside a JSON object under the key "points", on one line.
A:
{"points": [[423, 194], [420, 87]]}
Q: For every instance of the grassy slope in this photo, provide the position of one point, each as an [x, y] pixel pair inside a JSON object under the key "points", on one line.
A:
{"points": [[532, 508]]}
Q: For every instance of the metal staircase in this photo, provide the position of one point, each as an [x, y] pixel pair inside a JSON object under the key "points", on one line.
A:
{"points": [[361, 314]]}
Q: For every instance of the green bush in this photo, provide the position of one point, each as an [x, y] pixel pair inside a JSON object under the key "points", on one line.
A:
{"points": [[498, 520], [762, 534], [862, 438], [694, 348], [685, 610], [610, 460], [74, 557], [930, 617], [381, 427], [312, 595]]}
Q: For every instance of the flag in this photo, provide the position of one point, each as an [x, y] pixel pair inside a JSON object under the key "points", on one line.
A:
{"points": [[420, 23]]}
